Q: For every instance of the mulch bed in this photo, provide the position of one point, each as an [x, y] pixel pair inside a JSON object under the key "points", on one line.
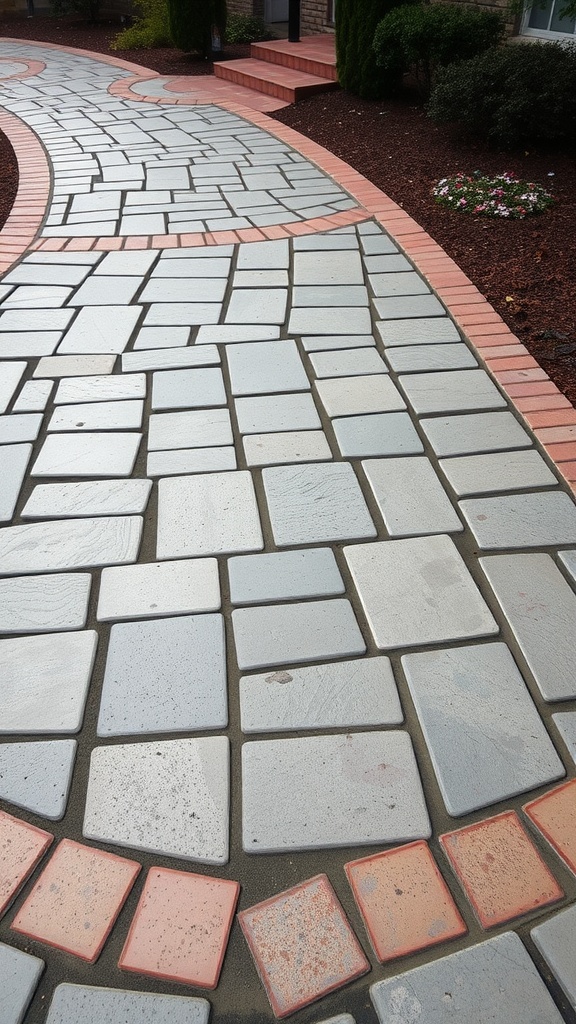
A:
{"points": [[525, 268]]}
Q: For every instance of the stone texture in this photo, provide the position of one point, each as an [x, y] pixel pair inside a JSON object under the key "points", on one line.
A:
{"points": [[424, 330], [415, 358], [555, 941], [316, 503], [347, 362], [37, 776], [288, 446], [264, 367], [258, 579], [169, 358], [191, 460], [36, 604], [554, 814], [188, 389], [69, 544], [502, 471], [74, 366], [410, 497], [476, 432], [353, 396], [24, 426], [10, 376], [199, 428], [388, 433], [100, 329], [207, 514], [88, 454], [86, 1004], [97, 416], [565, 722], [152, 589], [276, 413], [292, 633], [19, 976], [452, 391], [21, 848], [14, 459], [521, 520], [100, 388], [87, 498]]}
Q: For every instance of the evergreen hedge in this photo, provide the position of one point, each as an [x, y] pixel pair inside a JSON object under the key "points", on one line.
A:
{"points": [[192, 21], [358, 73]]}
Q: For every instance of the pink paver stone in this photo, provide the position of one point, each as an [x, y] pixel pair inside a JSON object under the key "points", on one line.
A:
{"points": [[500, 869], [555, 815], [181, 927], [404, 901], [302, 945], [77, 899], [21, 847]]}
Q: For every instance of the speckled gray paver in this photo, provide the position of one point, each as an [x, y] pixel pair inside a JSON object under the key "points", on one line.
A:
{"points": [[152, 589], [486, 739], [406, 282], [322, 791], [352, 396], [476, 432], [197, 428], [167, 797], [556, 940], [521, 520], [494, 981], [37, 776], [565, 722], [264, 255], [451, 391], [414, 358], [276, 413], [88, 454], [257, 305], [418, 331], [45, 681], [292, 633], [19, 976], [10, 376], [387, 433], [397, 307], [207, 514], [14, 459], [37, 604], [97, 416], [417, 591], [287, 446], [166, 675], [84, 1004], [188, 389], [264, 367], [347, 362], [191, 460], [100, 388], [24, 426], [316, 503], [87, 498], [69, 544], [501, 471], [328, 268], [74, 366], [170, 358], [33, 396], [410, 497], [541, 609], [278, 576], [330, 320], [100, 329], [333, 695]]}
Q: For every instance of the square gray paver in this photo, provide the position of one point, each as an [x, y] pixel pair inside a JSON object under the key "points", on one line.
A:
{"points": [[88, 454], [501, 471], [45, 682], [166, 675], [315, 504], [276, 413], [406, 282], [264, 255], [417, 591], [69, 544], [493, 981], [293, 633], [199, 428], [207, 514], [288, 446], [347, 362], [414, 358], [556, 940], [388, 433], [152, 589], [191, 460], [521, 520], [19, 976], [14, 459], [305, 793], [353, 396], [188, 389], [141, 794], [418, 331], [257, 306], [328, 696], [475, 433], [451, 391], [97, 416], [37, 604], [100, 388], [474, 699], [264, 367], [541, 609], [411, 497], [87, 498], [100, 329], [85, 1004], [37, 776], [282, 575]]}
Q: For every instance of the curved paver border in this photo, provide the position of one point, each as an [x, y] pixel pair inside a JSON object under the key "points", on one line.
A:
{"points": [[33, 194], [34, 67]]}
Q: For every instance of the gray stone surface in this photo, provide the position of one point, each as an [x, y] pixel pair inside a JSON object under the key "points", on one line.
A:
{"points": [[287, 446], [475, 432], [293, 633], [230, 334], [316, 503], [556, 940], [263, 367], [97, 416], [328, 696], [10, 377], [388, 433], [207, 514], [305, 793], [329, 320], [565, 722], [191, 460], [325, 343], [161, 338], [74, 366], [283, 575], [100, 329], [257, 305], [88, 454], [19, 976], [33, 396], [166, 675], [501, 471], [167, 797], [85, 1004], [328, 268], [188, 389], [170, 358], [152, 589], [353, 396], [197, 428], [451, 391], [398, 307], [417, 591], [264, 255], [87, 498], [45, 682], [329, 295], [414, 358], [276, 413], [541, 609], [37, 604], [403, 283], [37, 776], [420, 331], [24, 426], [473, 699], [14, 459], [521, 520], [347, 362], [493, 981], [69, 544], [411, 497], [100, 388], [568, 559]]}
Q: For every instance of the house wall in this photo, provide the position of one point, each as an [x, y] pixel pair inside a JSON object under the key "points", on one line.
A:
{"points": [[314, 17], [250, 7]]}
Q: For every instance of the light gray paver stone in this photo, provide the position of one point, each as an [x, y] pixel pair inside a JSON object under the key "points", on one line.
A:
{"points": [[556, 940], [566, 725], [100, 388], [199, 428], [260, 278], [418, 331], [17, 427], [168, 358], [19, 976], [203, 267], [127, 262], [184, 289], [34, 396], [342, 1018], [166, 675], [229, 334], [36, 604], [328, 268], [84, 1004], [329, 320], [45, 681], [280, 576], [323, 242], [174, 314], [347, 362], [414, 358], [305, 793], [257, 305], [151, 589], [264, 255], [100, 329], [341, 694], [88, 454], [374, 244], [289, 446], [329, 295], [417, 591], [389, 433], [87, 498], [387, 264], [69, 544], [207, 514], [293, 633], [451, 391], [404, 283], [107, 291], [353, 396], [37, 297], [568, 559], [10, 376], [167, 797], [502, 471], [474, 699], [315, 504], [187, 389], [325, 343], [399, 307], [521, 520], [37, 776], [191, 460], [276, 413], [161, 337], [35, 319], [14, 459], [411, 497], [475, 433], [493, 981], [264, 367], [97, 416], [74, 366], [541, 609], [34, 273]]}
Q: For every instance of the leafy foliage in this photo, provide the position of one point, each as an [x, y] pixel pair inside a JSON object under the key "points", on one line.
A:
{"points": [[243, 28], [358, 73], [89, 9], [502, 196], [151, 28]]}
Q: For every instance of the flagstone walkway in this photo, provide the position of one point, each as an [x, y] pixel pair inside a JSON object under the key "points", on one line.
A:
{"points": [[287, 587]]}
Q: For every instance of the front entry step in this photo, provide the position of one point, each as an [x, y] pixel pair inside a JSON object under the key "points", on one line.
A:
{"points": [[316, 55], [276, 80]]}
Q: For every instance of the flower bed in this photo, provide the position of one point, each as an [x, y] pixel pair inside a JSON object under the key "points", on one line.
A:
{"points": [[502, 196]]}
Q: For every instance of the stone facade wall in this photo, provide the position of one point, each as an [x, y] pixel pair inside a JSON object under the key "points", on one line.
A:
{"points": [[314, 17], [250, 7]]}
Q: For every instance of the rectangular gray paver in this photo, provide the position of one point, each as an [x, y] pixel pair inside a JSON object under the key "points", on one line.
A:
{"points": [[161, 337], [276, 413], [328, 268], [36, 604], [287, 446], [127, 262], [10, 376], [258, 579], [292, 633], [347, 362], [419, 331], [210, 267], [197, 428], [170, 358], [398, 307], [257, 305], [389, 433], [411, 497], [353, 396], [475, 433], [121, 415], [417, 591], [474, 699], [87, 454], [87, 498], [29, 344], [332, 342], [181, 289], [153, 589], [102, 290], [541, 609], [404, 283], [265, 367], [74, 366], [556, 941], [188, 389], [69, 544], [107, 388], [14, 459], [451, 391], [414, 358], [565, 722], [329, 295], [100, 329], [330, 320], [230, 334], [191, 460], [19, 976], [501, 471], [174, 314], [328, 696], [568, 559], [331, 241], [315, 504], [17, 427], [85, 1004], [521, 520], [207, 514], [35, 319], [305, 793], [37, 776], [35, 273]]}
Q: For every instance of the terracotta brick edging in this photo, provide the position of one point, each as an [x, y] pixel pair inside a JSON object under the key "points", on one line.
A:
{"points": [[33, 193]]}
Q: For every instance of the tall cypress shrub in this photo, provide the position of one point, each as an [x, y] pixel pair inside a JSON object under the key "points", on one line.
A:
{"points": [[191, 23], [356, 22]]}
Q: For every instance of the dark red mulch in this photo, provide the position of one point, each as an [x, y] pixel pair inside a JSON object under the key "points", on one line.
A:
{"points": [[8, 179]]}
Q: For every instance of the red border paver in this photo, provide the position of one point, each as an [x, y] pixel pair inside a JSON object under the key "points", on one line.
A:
{"points": [[554, 814], [22, 846]]}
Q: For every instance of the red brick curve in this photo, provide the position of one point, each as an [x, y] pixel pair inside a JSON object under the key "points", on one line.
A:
{"points": [[33, 67], [27, 214]]}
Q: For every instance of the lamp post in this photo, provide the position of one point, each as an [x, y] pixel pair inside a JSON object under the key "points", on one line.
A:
{"points": [[294, 21]]}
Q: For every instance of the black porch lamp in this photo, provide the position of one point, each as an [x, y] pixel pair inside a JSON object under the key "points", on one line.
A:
{"points": [[293, 21]]}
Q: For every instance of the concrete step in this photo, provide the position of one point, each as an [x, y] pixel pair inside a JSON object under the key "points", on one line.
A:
{"points": [[315, 55], [272, 79]]}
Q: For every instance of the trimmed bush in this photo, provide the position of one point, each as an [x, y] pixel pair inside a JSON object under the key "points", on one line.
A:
{"points": [[151, 27], [358, 73], [243, 28], [192, 22], [511, 95], [425, 37]]}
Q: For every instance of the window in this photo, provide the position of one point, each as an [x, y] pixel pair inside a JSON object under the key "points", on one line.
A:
{"points": [[545, 21]]}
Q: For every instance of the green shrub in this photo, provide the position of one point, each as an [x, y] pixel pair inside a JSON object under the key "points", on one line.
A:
{"points": [[151, 27], [358, 73], [192, 23], [425, 37], [512, 94], [243, 28]]}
